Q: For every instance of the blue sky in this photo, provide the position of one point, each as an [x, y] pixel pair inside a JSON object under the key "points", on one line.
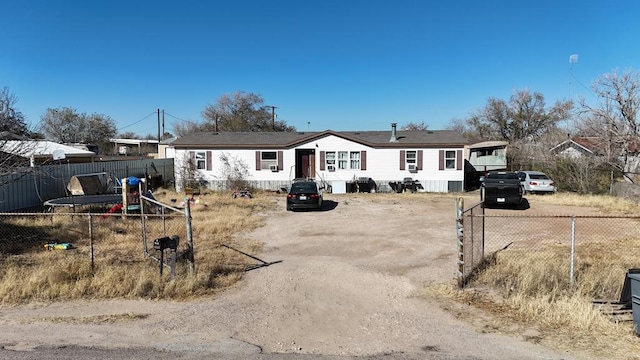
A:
{"points": [[340, 65]]}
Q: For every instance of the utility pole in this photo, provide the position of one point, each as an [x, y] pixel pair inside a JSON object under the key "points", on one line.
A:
{"points": [[572, 60], [159, 124], [273, 117]]}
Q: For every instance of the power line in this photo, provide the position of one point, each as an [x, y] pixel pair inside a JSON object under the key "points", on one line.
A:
{"points": [[144, 118], [177, 118], [182, 120], [572, 60], [584, 86]]}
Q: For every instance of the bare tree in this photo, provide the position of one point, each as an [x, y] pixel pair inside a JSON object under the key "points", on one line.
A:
{"points": [[524, 117], [63, 125], [241, 111], [614, 119], [461, 126], [523, 121], [11, 120], [129, 135], [15, 147], [189, 176], [66, 125], [188, 127], [234, 171], [411, 126]]}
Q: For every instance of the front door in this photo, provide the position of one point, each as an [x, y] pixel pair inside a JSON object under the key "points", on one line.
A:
{"points": [[305, 163]]}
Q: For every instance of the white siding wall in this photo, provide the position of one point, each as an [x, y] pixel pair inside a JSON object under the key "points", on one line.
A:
{"points": [[216, 177], [382, 165]]}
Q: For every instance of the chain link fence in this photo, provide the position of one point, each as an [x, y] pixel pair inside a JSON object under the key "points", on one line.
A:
{"points": [[102, 241], [587, 254]]}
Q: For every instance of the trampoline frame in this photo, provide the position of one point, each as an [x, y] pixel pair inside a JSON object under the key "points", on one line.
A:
{"points": [[72, 201]]}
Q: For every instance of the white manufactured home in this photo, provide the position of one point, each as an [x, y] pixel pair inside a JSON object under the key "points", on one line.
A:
{"points": [[274, 159]]}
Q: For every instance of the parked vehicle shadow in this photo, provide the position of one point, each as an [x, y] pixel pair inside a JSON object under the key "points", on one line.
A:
{"points": [[328, 205], [524, 205]]}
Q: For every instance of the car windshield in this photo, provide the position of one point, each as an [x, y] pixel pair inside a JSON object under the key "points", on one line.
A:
{"points": [[308, 187], [538, 177], [502, 176]]}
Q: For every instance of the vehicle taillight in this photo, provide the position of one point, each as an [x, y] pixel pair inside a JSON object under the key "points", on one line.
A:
{"points": [[552, 183], [533, 183], [291, 196], [315, 196]]}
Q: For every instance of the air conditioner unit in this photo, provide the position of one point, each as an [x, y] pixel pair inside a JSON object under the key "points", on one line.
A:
{"points": [[273, 168], [413, 167], [331, 168]]}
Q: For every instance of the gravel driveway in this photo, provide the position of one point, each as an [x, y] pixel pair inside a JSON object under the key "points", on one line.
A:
{"points": [[345, 287]]}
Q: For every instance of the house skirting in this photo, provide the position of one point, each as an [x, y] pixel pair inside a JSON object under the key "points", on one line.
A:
{"points": [[435, 186]]}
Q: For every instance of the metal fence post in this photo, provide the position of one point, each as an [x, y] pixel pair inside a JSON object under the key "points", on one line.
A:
{"points": [[91, 240], [164, 221], [573, 248], [482, 231], [173, 264], [143, 225], [460, 240], [190, 255]]}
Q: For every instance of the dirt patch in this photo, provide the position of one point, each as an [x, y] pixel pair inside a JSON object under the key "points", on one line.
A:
{"points": [[344, 284]]}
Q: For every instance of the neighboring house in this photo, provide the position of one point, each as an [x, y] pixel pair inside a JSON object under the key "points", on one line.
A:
{"points": [[488, 155], [39, 152], [484, 156], [577, 146], [134, 146], [5, 135], [274, 159], [165, 150]]}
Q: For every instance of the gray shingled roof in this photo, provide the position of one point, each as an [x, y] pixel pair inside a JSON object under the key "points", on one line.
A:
{"points": [[375, 139]]}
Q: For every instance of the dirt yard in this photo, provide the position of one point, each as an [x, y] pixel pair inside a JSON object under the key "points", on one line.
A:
{"points": [[346, 283]]}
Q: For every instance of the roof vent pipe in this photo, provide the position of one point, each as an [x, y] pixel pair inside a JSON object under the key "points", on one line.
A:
{"points": [[393, 133]]}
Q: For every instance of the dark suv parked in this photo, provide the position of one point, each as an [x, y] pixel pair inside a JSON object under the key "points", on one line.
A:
{"points": [[304, 195]]}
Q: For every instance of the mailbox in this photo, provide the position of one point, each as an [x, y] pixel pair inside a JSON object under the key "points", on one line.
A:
{"points": [[173, 242], [166, 243], [161, 243]]}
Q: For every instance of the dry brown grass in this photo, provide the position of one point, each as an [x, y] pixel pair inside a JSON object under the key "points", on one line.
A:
{"points": [[28, 273], [607, 204], [567, 324], [525, 289]]}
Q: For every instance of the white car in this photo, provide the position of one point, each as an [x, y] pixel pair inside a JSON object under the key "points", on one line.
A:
{"points": [[536, 182]]}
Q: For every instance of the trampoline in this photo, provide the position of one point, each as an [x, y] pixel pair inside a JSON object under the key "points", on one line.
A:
{"points": [[72, 201]]}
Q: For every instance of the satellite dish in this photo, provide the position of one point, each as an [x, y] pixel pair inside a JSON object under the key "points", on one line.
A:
{"points": [[58, 154], [573, 59]]}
